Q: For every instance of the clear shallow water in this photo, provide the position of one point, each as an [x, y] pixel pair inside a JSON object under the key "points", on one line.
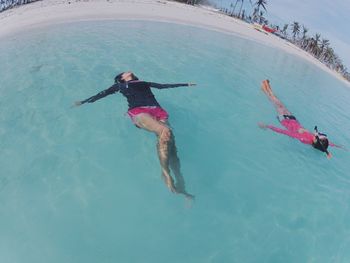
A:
{"points": [[83, 185]]}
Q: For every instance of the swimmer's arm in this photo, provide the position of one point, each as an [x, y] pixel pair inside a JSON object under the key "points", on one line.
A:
{"points": [[282, 131], [278, 130], [166, 86], [337, 146], [113, 89]]}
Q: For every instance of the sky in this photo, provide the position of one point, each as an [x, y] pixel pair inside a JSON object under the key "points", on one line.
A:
{"points": [[329, 18]]}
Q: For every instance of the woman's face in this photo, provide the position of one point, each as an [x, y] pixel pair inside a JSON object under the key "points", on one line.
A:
{"points": [[127, 76]]}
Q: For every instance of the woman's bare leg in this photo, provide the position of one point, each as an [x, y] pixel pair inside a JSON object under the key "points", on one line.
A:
{"points": [[280, 108], [175, 166], [163, 132]]}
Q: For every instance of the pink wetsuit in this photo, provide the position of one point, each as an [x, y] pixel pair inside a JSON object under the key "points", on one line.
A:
{"points": [[292, 130]]}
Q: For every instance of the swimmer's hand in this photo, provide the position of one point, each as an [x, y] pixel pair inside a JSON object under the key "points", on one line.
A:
{"points": [[192, 84], [338, 146], [329, 156], [77, 104], [262, 125], [188, 196]]}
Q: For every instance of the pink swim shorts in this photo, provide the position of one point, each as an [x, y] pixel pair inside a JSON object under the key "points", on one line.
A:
{"points": [[156, 112]]}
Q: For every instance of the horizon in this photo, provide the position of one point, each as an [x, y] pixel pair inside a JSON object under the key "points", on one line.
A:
{"points": [[313, 16]]}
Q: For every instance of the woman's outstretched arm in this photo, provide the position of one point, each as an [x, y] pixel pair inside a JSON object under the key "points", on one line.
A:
{"points": [[113, 89], [338, 146], [278, 130], [166, 86]]}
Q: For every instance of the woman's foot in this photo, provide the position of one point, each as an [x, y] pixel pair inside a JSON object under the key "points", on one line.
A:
{"points": [[188, 196]]}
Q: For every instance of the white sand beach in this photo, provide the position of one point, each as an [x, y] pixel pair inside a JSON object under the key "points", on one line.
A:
{"points": [[48, 12]]}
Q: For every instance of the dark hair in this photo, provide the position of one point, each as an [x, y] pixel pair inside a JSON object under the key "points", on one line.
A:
{"points": [[118, 78], [321, 144]]}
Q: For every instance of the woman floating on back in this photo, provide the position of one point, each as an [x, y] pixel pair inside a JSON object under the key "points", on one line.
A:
{"points": [[147, 114], [293, 128]]}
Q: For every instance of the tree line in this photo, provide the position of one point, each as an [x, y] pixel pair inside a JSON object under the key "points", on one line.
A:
{"points": [[294, 32], [316, 45], [7, 4]]}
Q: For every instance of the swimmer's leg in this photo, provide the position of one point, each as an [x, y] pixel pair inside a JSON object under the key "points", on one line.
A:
{"points": [[175, 166], [163, 132], [280, 108]]}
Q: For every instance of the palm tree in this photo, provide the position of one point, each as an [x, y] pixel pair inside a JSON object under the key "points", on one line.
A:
{"points": [[260, 3], [234, 7], [262, 18], [315, 47], [303, 38], [312, 45], [345, 70], [243, 15], [328, 55], [340, 67], [284, 30], [255, 14], [295, 29], [324, 44], [240, 10], [337, 63]]}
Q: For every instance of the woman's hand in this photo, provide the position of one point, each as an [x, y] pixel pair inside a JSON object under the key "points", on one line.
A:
{"points": [[192, 84], [262, 125], [76, 104]]}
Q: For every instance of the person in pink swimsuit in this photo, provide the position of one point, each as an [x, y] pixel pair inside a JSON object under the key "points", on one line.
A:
{"points": [[292, 127]]}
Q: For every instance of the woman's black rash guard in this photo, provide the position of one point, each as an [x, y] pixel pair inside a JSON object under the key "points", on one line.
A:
{"points": [[138, 93]]}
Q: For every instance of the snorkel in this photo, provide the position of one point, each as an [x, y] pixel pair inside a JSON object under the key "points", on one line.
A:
{"points": [[321, 142]]}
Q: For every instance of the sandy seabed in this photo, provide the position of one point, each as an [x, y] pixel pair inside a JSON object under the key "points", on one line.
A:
{"points": [[47, 12]]}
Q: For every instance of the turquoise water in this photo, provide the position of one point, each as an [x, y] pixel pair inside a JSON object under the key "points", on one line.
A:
{"points": [[83, 184]]}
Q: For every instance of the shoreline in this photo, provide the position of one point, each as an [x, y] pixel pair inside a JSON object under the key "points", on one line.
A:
{"points": [[50, 12]]}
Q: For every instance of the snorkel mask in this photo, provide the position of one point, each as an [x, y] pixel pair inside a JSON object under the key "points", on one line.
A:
{"points": [[321, 141]]}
